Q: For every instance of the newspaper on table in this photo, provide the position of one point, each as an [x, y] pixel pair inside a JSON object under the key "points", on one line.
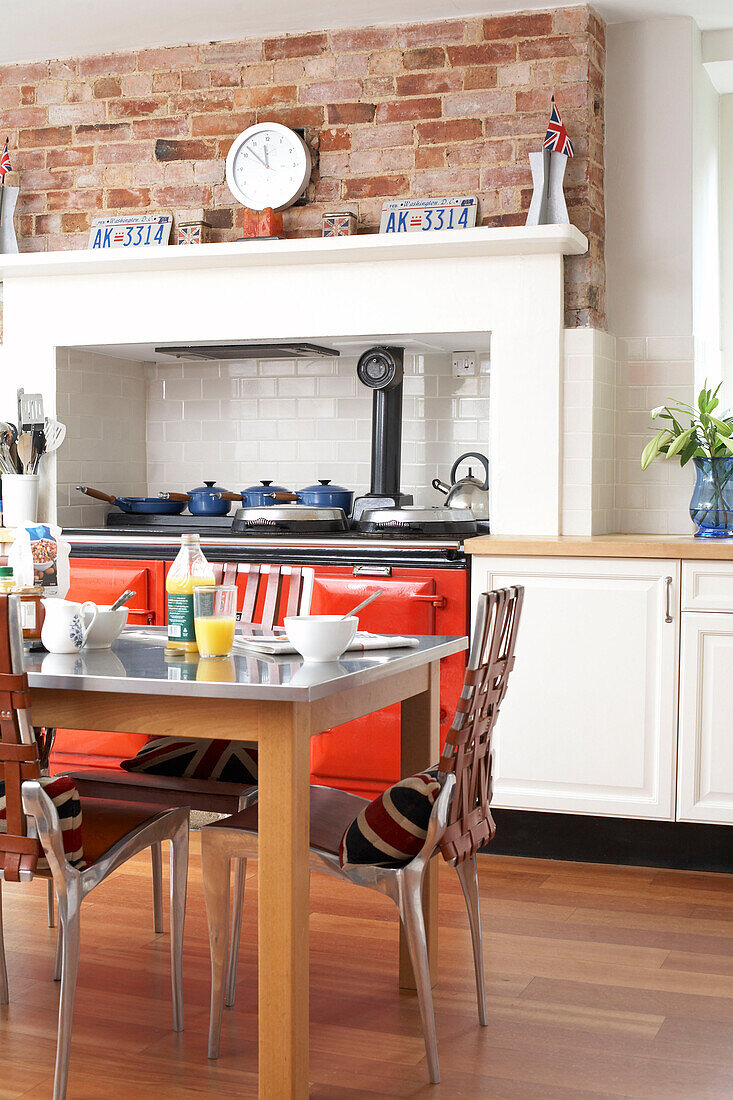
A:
{"points": [[274, 644]]}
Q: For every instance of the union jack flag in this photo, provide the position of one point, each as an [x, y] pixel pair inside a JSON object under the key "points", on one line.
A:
{"points": [[556, 138], [5, 160]]}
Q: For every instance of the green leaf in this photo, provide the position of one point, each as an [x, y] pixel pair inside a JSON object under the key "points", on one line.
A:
{"points": [[689, 452], [680, 442], [652, 448], [723, 427], [702, 399], [726, 442]]}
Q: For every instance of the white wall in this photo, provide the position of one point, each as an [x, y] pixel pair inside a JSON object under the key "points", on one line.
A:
{"points": [[663, 251], [726, 237], [648, 181], [706, 289]]}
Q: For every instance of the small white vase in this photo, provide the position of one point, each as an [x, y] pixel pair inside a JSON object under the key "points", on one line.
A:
{"points": [[8, 240]]}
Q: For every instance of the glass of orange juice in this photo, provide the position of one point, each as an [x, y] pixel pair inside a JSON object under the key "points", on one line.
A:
{"points": [[214, 616]]}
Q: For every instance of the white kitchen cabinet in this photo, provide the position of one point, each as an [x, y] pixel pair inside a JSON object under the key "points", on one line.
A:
{"points": [[705, 787], [589, 723], [707, 586]]}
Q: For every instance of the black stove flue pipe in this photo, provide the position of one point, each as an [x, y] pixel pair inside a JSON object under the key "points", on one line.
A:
{"points": [[382, 370]]}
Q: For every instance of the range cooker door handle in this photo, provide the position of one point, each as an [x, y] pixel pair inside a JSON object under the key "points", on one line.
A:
{"points": [[436, 601]]}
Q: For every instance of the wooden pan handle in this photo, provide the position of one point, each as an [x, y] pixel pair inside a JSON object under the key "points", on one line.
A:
{"points": [[230, 496], [283, 496], [175, 496], [97, 494]]}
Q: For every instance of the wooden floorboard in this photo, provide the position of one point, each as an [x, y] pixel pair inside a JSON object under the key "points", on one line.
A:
{"points": [[604, 982]]}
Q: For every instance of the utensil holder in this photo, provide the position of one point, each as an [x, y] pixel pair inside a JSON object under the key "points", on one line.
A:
{"points": [[20, 499]]}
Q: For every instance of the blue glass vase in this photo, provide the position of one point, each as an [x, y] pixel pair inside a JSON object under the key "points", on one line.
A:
{"points": [[711, 506]]}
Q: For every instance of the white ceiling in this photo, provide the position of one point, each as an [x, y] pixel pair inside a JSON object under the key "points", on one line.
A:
{"points": [[41, 29]]}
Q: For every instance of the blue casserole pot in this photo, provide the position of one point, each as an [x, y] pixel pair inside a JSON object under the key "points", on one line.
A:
{"points": [[210, 499], [261, 496], [326, 495]]}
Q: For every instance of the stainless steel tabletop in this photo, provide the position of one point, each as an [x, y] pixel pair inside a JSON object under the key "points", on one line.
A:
{"points": [[137, 666]]}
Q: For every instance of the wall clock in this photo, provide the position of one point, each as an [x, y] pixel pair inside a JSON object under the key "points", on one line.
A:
{"points": [[268, 165]]}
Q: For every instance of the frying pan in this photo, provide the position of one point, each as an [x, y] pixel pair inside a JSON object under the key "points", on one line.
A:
{"points": [[147, 505]]}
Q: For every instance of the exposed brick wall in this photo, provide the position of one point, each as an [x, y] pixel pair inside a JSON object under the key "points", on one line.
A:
{"points": [[419, 109]]}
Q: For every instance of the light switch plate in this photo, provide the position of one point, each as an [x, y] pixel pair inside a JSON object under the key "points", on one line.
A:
{"points": [[464, 363]]}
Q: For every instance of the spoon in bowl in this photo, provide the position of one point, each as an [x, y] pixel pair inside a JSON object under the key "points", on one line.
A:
{"points": [[123, 599], [359, 606]]}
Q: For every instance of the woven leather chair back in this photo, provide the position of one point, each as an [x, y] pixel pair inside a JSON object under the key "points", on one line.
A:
{"points": [[267, 593], [467, 750], [18, 749]]}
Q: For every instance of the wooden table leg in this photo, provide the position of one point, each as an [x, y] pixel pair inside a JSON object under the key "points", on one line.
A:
{"points": [[419, 749], [284, 810]]}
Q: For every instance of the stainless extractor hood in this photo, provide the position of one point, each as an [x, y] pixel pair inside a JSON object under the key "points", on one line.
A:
{"points": [[249, 351]]}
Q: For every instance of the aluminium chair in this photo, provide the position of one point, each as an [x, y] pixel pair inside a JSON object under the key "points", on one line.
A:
{"points": [[459, 824], [267, 593], [48, 831]]}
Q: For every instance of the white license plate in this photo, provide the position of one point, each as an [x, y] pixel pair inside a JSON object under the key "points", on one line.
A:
{"points": [[135, 231], [428, 215]]}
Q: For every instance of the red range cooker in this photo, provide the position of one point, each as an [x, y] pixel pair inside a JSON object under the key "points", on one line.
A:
{"points": [[414, 554], [426, 591]]}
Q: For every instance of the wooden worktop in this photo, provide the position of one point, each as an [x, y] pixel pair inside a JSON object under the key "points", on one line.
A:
{"points": [[602, 546]]}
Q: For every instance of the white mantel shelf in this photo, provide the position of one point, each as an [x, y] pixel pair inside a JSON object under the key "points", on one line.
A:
{"points": [[449, 244]]}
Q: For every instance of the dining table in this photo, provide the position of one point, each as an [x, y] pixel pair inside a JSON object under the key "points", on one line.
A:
{"points": [[140, 686]]}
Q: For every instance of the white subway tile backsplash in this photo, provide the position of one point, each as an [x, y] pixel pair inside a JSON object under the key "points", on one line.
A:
{"points": [[342, 386], [275, 368], [668, 348], [289, 421], [296, 387], [183, 431]]}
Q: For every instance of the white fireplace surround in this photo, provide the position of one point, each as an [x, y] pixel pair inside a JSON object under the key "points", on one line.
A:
{"points": [[478, 288]]}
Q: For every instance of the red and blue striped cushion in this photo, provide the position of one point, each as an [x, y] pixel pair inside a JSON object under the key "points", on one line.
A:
{"points": [[391, 830], [62, 791], [228, 761]]}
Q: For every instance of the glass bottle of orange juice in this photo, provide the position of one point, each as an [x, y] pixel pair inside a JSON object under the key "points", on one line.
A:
{"points": [[189, 570]]}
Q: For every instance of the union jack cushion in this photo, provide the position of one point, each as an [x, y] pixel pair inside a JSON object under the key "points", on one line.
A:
{"points": [[229, 761], [62, 791], [391, 830]]}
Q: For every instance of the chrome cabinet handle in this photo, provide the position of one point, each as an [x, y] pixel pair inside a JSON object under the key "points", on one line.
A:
{"points": [[668, 599]]}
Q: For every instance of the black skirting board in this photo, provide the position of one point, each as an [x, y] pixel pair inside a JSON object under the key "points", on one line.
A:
{"points": [[581, 839]]}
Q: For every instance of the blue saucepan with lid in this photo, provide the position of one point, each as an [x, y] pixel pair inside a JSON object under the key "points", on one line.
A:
{"points": [[326, 495], [322, 495], [208, 499], [262, 495]]}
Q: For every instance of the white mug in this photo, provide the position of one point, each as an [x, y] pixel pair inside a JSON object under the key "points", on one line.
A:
{"points": [[64, 630]]}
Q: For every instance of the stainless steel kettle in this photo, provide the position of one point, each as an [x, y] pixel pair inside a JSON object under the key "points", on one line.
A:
{"points": [[469, 492]]}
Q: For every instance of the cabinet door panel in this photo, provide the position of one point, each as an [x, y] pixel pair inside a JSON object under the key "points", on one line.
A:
{"points": [[365, 754], [103, 580], [707, 586], [589, 721], [706, 704]]}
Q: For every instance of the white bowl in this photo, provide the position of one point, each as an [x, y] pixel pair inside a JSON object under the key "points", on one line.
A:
{"points": [[321, 637], [106, 628]]}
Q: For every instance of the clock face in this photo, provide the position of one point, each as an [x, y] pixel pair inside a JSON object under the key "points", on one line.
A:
{"points": [[268, 165]]}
